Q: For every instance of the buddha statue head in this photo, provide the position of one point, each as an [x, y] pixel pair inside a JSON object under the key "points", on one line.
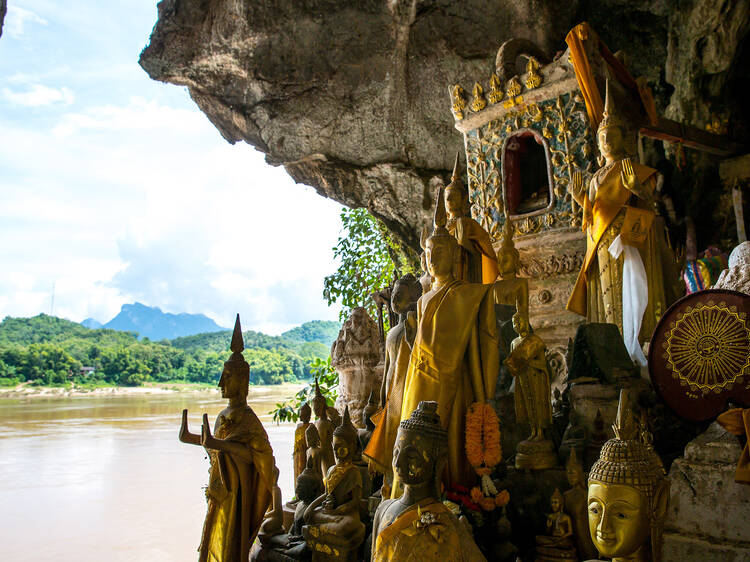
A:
{"points": [[333, 416], [627, 493], [521, 324], [612, 131], [345, 439], [235, 376], [441, 246], [312, 437], [308, 486], [305, 412], [369, 410], [456, 197], [319, 403], [556, 501], [420, 452], [574, 470], [508, 258], [406, 292]]}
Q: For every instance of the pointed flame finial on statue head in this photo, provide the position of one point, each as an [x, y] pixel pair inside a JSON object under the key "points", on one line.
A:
{"points": [[625, 427], [238, 344], [610, 117]]}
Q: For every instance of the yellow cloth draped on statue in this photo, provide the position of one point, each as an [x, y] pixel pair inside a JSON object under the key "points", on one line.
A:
{"points": [[454, 362], [477, 260], [598, 289], [238, 492], [426, 531]]}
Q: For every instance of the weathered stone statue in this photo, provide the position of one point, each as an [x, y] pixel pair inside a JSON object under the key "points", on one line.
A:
{"points": [[558, 545], [333, 416], [316, 460], [426, 279], [299, 453], [364, 435], [627, 494], [417, 526], [615, 188], [527, 363], [273, 522], [576, 506], [737, 275], [379, 452], [333, 529], [475, 261], [324, 427], [242, 473], [454, 360]]}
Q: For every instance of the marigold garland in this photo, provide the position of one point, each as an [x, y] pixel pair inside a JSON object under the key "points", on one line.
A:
{"points": [[483, 438]]}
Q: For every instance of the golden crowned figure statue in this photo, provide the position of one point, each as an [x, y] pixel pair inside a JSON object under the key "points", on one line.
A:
{"points": [[455, 357], [624, 239], [628, 493], [509, 289], [418, 526], [475, 261], [243, 472]]}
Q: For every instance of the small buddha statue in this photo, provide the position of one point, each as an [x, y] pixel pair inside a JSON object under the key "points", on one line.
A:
{"points": [[509, 289], [333, 529], [527, 363], [575, 436], [316, 460], [323, 424], [398, 344], [503, 550], [558, 545], [476, 260], [417, 526], [242, 476], [368, 411], [576, 506], [628, 493], [334, 416], [426, 279], [299, 453], [273, 522]]}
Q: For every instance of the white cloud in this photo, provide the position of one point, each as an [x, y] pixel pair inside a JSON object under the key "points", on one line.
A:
{"points": [[39, 96], [17, 18]]}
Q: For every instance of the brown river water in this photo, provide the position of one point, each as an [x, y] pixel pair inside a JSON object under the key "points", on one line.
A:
{"points": [[104, 478]]}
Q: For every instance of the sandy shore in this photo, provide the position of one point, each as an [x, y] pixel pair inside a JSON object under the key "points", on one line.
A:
{"points": [[26, 390]]}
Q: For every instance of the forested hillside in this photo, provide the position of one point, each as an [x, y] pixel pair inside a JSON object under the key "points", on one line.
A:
{"points": [[47, 350]]}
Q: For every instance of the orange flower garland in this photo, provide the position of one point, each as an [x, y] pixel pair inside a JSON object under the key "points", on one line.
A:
{"points": [[483, 438]]}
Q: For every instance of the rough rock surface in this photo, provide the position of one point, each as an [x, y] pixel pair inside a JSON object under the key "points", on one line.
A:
{"points": [[737, 275], [3, 11], [351, 97]]}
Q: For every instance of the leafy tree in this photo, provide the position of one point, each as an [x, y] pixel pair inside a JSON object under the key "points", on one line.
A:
{"points": [[328, 381]]}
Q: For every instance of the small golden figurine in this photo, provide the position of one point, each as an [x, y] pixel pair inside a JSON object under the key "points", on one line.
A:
{"points": [[478, 103], [558, 545], [417, 526], [458, 98], [509, 288], [533, 78], [333, 530], [527, 362], [628, 493], [496, 91], [299, 453], [577, 507], [476, 260], [243, 472]]}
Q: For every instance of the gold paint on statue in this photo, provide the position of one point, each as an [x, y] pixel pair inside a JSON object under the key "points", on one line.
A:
{"points": [[512, 88], [558, 545], [628, 493], [417, 527], [458, 97], [533, 77], [299, 454], [496, 91], [509, 288], [324, 426], [576, 505], [242, 476], [478, 103]]}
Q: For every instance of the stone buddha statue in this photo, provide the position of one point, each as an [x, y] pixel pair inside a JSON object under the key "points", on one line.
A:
{"points": [[558, 544], [475, 261], [417, 526], [527, 363], [379, 452], [299, 454], [617, 187], [242, 476], [628, 493], [316, 460], [323, 424], [333, 529], [454, 360], [576, 505]]}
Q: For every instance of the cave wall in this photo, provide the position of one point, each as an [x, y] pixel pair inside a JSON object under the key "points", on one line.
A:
{"points": [[3, 11], [351, 97]]}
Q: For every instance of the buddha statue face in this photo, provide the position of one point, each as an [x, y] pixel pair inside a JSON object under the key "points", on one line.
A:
{"points": [[455, 202], [319, 406], [440, 253], [343, 449], [520, 324], [611, 141], [304, 413], [574, 474], [232, 382], [412, 459], [400, 298], [618, 518], [312, 437]]}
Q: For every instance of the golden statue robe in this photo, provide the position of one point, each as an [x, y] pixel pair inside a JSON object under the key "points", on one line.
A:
{"points": [[299, 453], [454, 362], [407, 539], [477, 260], [598, 289], [528, 364], [238, 493]]}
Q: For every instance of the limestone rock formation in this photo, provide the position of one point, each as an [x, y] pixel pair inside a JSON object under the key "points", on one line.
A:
{"points": [[3, 11], [737, 275], [351, 96]]}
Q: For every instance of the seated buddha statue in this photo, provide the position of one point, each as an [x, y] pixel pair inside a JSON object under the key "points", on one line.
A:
{"points": [[417, 526], [558, 545], [628, 493], [333, 529], [316, 461]]}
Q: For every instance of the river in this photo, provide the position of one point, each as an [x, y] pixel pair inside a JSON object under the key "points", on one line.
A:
{"points": [[96, 478]]}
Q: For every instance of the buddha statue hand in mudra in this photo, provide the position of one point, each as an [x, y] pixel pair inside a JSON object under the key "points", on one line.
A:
{"points": [[417, 526], [334, 530], [628, 493]]}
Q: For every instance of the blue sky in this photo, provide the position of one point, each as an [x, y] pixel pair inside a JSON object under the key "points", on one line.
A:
{"points": [[116, 188]]}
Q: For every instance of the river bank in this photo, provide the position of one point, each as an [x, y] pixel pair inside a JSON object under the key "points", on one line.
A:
{"points": [[27, 390]]}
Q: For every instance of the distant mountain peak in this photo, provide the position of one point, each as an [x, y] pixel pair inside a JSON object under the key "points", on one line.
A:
{"points": [[152, 323]]}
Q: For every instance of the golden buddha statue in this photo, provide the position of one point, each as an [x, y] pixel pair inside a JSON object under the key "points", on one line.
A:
{"points": [[475, 261], [299, 454], [242, 476], [455, 357], [316, 460], [333, 529], [527, 363], [576, 505], [628, 493], [379, 451], [620, 197], [417, 526], [510, 289], [558, 545], [324, 425]]}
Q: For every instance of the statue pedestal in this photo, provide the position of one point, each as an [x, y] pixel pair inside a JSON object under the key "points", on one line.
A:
{"points": [[536, 455], [709, 513]]}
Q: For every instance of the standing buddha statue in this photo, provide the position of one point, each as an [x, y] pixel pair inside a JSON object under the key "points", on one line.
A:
{"points": [[615, 189], [475, 261], [628, 493], [242, 476], [323, 425], [510, 289], [299, 454]]}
